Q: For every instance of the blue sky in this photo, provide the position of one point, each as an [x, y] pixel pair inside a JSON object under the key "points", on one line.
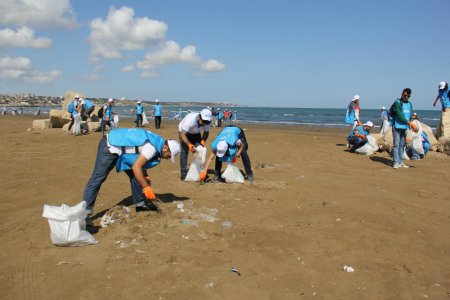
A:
{"points": [[258, 53]]}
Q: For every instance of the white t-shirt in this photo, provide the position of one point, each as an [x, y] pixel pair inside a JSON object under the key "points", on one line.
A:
{"points": [[189, 124], [147, 150]]}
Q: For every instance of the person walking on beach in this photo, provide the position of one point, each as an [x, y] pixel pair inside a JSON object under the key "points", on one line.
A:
{"points": [[132, 151], [358, 135], [107, 118], [352, 114], [401, 120], [219, 118], [443, 96], [157, 114], [383, 119], [229, 145], [87, 107], [189, 132], [235, 117], [139, 110]]}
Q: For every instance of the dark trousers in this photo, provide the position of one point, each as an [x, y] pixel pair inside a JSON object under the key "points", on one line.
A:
{"points": [[158, 122], [139, 120], [356, 143], [86, 114], [194, 139], [244, 156]]}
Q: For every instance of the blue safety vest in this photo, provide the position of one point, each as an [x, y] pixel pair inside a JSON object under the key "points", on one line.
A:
{"points": [[107, 112], [360, 129], [230, 135], [444, 98], [135, 137], [87, 104], [72, 107], [350, 115], [406, 108], [139, 109], [157, 109], [425, 142]]}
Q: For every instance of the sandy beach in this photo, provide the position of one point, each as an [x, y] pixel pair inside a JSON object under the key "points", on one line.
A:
{"points": [[314, 208]]}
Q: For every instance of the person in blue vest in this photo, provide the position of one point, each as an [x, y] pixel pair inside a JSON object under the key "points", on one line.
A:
{"points": [[229, 145], [358, 136], [87, 107], [74, 109], [132, 150], [219, 117], [157, 114], [190, 135], [139, 110], [352, 113], [108, 115], [443, 96], [384, 116], [400, 123]]}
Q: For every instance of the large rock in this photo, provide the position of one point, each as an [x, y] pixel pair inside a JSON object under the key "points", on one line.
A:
{"points": [[41, 124], [58, 118], [86, 126], [443, 130]]}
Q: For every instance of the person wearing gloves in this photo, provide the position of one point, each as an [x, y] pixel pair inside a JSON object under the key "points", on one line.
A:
{"points": [[107, 118], [189, 131], [443, 96], [358, 135], [74, 109], [401, 121], [139, 110], [132, 151], [229, 145]]}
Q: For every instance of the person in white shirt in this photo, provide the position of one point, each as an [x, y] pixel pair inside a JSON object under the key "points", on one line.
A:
{"points": [[189, 130]]}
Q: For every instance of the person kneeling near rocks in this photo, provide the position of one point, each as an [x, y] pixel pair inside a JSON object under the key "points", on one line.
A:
{"points": [[228, 146], [132, 151], [358, 135]]}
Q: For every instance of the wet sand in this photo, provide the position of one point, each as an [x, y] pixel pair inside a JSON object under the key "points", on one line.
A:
{"points": [[313, 208]]}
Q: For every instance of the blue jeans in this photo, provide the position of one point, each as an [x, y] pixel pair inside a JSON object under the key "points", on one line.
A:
{"points": [[104, 163], [356, 142], [399, 144]]}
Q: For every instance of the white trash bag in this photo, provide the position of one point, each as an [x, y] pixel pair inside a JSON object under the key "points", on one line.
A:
{"points": [[232, 174], [197, 165], [144, 119], [76, 127], [416, 138], [68, 225], [370, 147]]}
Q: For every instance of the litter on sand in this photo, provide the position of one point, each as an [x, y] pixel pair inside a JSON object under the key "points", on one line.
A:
{"points": [[234, 270], [348, 269]]}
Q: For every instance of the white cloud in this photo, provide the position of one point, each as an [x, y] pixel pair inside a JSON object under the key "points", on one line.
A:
{"points": [[38, 13], [212, 65], [21, 68], [23, 37], [128, 68], [122, 32], [172, 53]]}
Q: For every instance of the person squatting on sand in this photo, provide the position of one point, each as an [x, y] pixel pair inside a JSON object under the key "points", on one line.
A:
{"points": [[190, 137], [132, 151], [228, 146], [358, 136], [400, 122], [139, 110], [443, 96]]}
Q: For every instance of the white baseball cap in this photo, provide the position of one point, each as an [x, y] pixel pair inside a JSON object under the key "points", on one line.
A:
{"points": [[77, 96], [222, 148], [368, 123], [110, 100], [383, 108], [139, 102], [156, 100], [174, 148], [356, 97], [442, 85], [206, 114]]}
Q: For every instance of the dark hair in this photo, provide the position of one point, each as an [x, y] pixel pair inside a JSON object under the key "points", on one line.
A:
{"points": [[407, 90], [446, 86]]}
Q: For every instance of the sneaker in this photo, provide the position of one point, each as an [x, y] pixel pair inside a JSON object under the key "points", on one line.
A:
{"points": [[396, 166], [250, 178], [215, 179], [89, 221], [402, 165], [146, 208]]}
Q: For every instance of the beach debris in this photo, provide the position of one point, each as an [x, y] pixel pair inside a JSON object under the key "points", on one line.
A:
{"points": [[227, 224], [348, 269], [186, 221], [139, 251], [210, 285], [325, 203], [63, 263], [184, 237], [122, 244], [234, 270], [265, 165], [118, 213], [180, 207]]}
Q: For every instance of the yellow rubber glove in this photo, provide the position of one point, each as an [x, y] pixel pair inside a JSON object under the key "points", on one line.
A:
{"points": [[149, 193], [203, 175], [202, 142], [191, 148], [413, 126], [235, 159]]}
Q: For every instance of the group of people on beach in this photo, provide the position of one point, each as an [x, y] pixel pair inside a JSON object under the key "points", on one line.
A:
{"points": [[135, 150], [400, 117]]}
